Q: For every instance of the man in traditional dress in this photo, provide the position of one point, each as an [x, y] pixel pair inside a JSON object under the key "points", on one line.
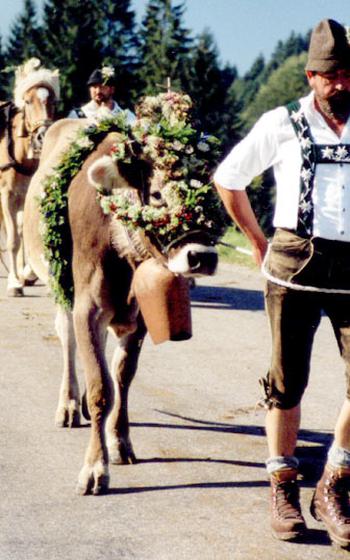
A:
{"points": [[307, 267], [101, 88]]}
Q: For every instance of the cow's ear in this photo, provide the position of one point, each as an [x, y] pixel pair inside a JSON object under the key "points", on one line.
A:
{"points": [[103, 173]]}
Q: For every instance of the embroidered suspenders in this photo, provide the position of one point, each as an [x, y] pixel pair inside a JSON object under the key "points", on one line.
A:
{"points": [[312, 154]]}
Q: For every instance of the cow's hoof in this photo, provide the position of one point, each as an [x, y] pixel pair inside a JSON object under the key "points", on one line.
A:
{"points": [[122, 454], [93, 481], [29, 282], [67, 418], [15, 292]]}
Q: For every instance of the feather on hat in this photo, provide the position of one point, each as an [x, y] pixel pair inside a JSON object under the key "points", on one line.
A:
{"points": [[31, 73]]}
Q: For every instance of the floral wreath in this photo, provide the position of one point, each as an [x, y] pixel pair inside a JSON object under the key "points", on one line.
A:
{"points": [[184, 159]]}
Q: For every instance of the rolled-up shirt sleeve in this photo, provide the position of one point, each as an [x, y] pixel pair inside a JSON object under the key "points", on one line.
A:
{"points": [[250, 157]]}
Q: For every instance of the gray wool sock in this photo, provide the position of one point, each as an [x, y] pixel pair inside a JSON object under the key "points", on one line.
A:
{"points": [[338, 456], [277, 463]]}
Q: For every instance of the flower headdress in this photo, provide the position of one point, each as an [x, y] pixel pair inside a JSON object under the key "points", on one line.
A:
{"points": [[183, 160], [31, 73]]}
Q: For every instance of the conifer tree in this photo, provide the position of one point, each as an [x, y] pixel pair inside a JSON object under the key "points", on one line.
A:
{"points": [[244, 89], [116, 22], [72, 45], [82, 36], [285, 84], [164, 48], [24, 39], [208, 85]]}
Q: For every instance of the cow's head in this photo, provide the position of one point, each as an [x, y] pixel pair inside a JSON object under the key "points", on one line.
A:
{"points": [[176, 207], [136, 192]]}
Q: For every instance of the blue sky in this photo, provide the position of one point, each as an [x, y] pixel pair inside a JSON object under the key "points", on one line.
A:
{"points": [[242, 28]]}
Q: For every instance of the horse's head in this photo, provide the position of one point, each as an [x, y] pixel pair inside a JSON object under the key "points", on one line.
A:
{"points": [[38, 113], [35, 95]]}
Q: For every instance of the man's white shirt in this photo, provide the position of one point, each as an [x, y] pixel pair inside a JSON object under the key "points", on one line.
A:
{"points": [[273, 142], [93, 111]]}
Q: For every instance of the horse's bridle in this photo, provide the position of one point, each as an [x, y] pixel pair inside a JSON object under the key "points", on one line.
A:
{"points": [[10, 111]]}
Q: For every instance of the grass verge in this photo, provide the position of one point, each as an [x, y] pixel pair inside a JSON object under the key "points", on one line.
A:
{"points": [[232, 256]]}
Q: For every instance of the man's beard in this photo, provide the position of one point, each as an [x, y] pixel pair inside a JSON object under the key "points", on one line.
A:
{"points": [[337, 106], [102, 99]]}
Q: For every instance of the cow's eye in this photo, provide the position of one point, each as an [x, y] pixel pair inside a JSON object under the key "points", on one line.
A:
{"points": [[156, 196]]}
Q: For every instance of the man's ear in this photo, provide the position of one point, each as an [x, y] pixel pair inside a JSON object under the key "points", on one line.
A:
{"points": [[310, 75]]}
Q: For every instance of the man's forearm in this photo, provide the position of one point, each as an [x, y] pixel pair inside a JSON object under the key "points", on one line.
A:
{"points": [[238, 207]]}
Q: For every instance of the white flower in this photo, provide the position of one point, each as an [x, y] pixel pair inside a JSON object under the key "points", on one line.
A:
{"points": [[107, 72], [196, 184], [42, 228], [327, 152], [103, 113], [203, 146], [177, 145], [85, 142]]}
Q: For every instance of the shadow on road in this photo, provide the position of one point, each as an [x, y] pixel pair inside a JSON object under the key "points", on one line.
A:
{"points": [[312, 457], [214, 485], [227, 298]]}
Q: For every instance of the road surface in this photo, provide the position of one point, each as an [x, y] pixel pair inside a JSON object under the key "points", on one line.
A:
{"points": [[199, 491]]}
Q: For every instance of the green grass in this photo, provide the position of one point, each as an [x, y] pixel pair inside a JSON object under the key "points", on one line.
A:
{"points": [[229, 255]]}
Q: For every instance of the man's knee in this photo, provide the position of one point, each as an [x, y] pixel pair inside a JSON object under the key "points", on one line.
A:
{"points": [[283, 398]]}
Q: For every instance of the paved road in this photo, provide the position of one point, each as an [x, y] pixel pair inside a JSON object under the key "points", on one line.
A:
{"points": [[199, 490]]}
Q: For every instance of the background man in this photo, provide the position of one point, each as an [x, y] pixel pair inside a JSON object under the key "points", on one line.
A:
{"points": [[307, 266], [101, 89]]}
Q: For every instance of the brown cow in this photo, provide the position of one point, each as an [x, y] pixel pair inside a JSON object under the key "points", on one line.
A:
{"points": [[105, 257]]}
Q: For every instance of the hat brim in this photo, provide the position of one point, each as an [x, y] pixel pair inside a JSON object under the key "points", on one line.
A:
{"points": [[326, 65]]}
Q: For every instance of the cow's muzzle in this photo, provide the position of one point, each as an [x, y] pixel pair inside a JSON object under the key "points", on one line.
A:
{"points": [[194, 259]]}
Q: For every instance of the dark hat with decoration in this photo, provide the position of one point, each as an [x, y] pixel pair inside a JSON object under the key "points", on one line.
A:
{"points": [[329, 47], [103, 76]]}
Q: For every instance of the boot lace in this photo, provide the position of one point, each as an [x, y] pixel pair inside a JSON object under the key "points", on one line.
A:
{"points": [[287, 500], [338, 495]]}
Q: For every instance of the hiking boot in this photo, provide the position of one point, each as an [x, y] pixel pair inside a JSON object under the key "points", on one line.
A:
{"points": [[330, 503], [287, 522]]}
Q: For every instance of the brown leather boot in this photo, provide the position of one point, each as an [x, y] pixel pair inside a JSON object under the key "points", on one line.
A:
{"points": [[287, 522], [330, 503]]}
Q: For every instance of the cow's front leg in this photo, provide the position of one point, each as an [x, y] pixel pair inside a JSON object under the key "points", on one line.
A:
{"points": [[90, 328], [68, 409], [124, 365]]}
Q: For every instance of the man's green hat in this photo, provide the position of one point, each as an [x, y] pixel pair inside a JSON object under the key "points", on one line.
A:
{"points": [[329, 47]]}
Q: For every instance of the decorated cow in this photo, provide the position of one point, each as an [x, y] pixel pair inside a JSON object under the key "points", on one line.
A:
{"points": [[116, 217]]}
